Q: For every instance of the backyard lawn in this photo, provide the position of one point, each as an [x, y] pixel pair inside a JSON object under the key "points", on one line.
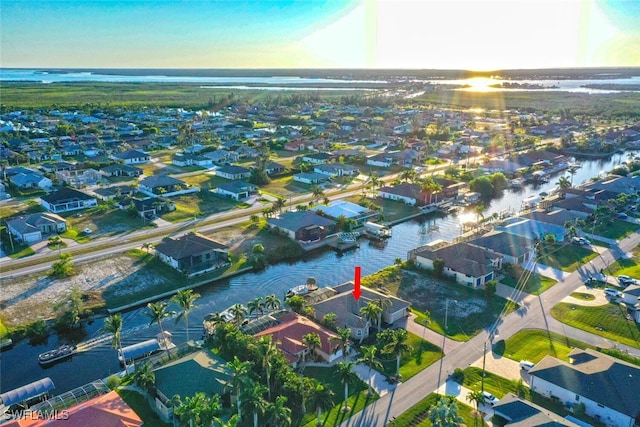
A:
{"points": [[392, 210], [628, 267], [358, 397], [285, 186], [565, 257], [609, 321]]}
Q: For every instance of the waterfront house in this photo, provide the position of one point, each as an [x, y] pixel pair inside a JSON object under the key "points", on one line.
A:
{"points": [[67, 199], [608, 387], [411, 194], [303, 226], [533, 230], [470, 265], [288, 334], [192, 253], [340, 301], [36, 227], [348, 210], [512, 248], [132, 157], [233, 172]]}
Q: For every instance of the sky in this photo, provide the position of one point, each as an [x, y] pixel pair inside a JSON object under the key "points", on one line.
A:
{"points": [[422, 34]]}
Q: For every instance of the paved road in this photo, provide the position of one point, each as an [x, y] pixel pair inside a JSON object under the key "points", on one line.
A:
{"points": [[533, 313]]}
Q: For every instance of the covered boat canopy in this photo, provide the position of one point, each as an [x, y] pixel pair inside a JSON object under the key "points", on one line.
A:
{"points": [[27, 392], [141, 349]]}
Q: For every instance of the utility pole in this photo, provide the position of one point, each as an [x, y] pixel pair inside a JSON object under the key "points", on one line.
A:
{"points": [[484, 357]]}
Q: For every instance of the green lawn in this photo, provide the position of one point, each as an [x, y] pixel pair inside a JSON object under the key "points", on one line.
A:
{"points": [[417, 414], [583, 296], [422, 354], [285, 186], [608, 321], [619, 229], [565, 257], [392, 210], [13, 208], [358, 397], [205, 202], [494, 384], [140, 405], [534, 344], [102, 220], [535, 283], [627, 267]]}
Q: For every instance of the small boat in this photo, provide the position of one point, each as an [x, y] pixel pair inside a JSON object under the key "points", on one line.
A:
{"points": [[303, 289], [59, 353], [6, 343]]}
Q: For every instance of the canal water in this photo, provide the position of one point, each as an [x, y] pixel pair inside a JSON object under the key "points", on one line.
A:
{"points": [[19, 365]]}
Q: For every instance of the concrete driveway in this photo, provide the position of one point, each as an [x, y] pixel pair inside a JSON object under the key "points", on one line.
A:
{"points": [[600, 297], [503, 367]]}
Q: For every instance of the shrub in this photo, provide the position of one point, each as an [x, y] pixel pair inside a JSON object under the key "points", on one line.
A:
{"points": [[113, 382]]}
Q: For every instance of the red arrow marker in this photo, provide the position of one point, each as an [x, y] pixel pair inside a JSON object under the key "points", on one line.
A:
{"points": [[356, 288]]}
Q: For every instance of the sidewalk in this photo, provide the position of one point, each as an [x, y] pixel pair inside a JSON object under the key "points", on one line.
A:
{"points": [[433, 337], [546, 271], [452, 388], [378, 380]]}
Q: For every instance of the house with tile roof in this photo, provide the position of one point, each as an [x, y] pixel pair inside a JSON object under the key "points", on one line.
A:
{"points": [[608, 387], [469, 264], [340, 301], [193, 253], [288, 335]]}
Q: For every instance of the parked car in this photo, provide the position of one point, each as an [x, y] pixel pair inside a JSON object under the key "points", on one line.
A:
{"points": [[87, 231], [622, 215], [580, 241], [490, 398], [626, 280], [526, 365], [613, 293]]}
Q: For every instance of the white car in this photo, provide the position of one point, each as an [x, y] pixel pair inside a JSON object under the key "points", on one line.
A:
{"points": [[526, 365], [490, 398], [613, 293], [626, 280]]}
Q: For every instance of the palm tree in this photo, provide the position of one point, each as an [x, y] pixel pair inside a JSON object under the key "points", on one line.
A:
{"points": [[445, 413], [271, 302], [564, 182], [279, 414], [211, 412], [343, 341], [369, 358], [572, 171], [158, 312], [113, 325], [347, 376], [479, 212], [267, 349], [407, 175], [476, 397], [397, 346], [185, 299], [322, 398], [145, 378], [279, 203], [239, 377], [384, 304], [190, 410], [147, 246], [256, 305], [232, 422], [371, 312], [317, 193], [253, 400], [312, 341], [238, 311]]}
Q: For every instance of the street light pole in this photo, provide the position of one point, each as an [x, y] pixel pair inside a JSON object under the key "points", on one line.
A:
{"points": [[484, 358]]}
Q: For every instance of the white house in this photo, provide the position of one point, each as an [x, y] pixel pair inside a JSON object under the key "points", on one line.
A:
{"points": [[237, 190], [336, 169], [310, 177], [35, 227], [608, 387], [233, 172], [631, 298], [67, 199], [132, 157]]}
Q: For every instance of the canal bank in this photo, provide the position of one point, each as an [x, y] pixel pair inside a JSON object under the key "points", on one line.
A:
{"points": [[328, 267]]}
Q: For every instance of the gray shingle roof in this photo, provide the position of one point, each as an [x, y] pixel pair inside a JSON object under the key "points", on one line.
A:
{"points": [[296, 220], [66, 194], [189, 245], [603, 379]]}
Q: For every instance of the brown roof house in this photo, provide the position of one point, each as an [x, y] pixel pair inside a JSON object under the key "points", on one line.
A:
{"points": [[193, 254], [288, 335], [470, 265], [340, 301]]}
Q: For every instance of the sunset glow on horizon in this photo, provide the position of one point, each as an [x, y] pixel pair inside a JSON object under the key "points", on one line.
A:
{"points": [[472, 34]]}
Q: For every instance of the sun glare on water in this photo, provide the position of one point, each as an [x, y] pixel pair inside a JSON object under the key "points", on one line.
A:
{"points": [[479, 84]]}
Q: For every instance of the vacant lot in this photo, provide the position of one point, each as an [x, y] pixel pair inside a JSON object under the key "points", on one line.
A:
{"points": [[565, 257]]}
